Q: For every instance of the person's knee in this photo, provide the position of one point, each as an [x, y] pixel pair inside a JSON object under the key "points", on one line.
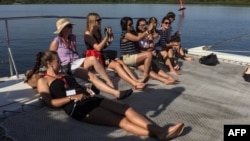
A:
{"points": [[92, 77], [148, 55], [124, 123], [91, 59], [121, 62], [114, 65]]}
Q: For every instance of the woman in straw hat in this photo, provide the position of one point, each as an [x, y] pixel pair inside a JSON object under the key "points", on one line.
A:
{"points": [[65, 44]]}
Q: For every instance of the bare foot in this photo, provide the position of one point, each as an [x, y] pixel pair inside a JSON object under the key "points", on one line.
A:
{"points": [[246, 71], [174, 131], [140, 86], [189, 59], [177, 67], [174, 72], [170, 78], [169, 82]]}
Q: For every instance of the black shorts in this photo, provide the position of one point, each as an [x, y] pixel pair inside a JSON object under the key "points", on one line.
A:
{"points": [[86, 106]]}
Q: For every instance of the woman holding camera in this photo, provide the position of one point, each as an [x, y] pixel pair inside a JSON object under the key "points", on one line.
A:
{"points": [[95, 45], [65, 45], [129, 49]]}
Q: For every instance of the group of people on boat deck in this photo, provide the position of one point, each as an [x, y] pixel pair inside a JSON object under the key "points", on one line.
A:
{"points": [[141, 47]]}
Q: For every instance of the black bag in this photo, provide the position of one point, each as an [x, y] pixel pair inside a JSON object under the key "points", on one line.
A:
{"points": [[246, 77], [109, 54], [210, 60]]}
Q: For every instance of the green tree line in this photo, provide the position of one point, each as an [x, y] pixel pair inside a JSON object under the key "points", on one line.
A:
{"points": [[223, 2]]}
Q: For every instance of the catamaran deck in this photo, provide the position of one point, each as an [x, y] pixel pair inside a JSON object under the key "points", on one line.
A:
{"points": [[207, 98]]}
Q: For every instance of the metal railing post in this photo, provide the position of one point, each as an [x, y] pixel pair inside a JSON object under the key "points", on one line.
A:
{"points": [[11, 60]]}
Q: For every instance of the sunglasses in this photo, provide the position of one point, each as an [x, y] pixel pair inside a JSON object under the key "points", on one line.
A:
{"points": [[130, 24], [69, 26], [98, 20], [166, 23], [143, 25]]}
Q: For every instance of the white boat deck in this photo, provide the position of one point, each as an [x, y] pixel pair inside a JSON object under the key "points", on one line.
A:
{"points": [[225, 57], [14, 94], [207, 98]]}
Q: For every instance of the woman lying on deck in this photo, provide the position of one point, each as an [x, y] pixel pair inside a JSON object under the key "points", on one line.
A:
{"points": [[64, 92]]}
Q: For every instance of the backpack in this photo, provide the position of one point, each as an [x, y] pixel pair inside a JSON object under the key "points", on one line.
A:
{"points": [[210, 60]]}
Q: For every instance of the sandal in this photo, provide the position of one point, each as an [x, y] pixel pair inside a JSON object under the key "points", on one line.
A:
{"points": [[124, 94]]}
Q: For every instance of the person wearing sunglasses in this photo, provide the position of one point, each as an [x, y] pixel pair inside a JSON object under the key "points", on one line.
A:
{"points": [[175, 39], [129, 51], [147, 45], [164, 48], [96, 44], [65, 44]]}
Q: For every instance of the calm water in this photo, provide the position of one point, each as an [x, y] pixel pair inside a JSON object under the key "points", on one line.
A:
{"points": [[226, 28]]}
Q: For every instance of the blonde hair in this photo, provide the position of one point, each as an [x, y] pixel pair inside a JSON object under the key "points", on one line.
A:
{"points": [[91, 19]]}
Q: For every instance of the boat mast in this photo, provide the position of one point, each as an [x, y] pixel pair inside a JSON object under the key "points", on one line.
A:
{"points": [[182, 8]]}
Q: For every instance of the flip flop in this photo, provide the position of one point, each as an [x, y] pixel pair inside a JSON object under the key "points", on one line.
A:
{"points": [[124, 94]]}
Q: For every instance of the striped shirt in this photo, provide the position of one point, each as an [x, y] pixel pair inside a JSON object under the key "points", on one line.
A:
{"points": [[127, 47], [164, 39]]}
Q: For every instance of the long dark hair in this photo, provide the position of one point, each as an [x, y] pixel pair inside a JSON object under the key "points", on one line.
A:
{"points": [[138, 22], [41, 59], [124, 23]]}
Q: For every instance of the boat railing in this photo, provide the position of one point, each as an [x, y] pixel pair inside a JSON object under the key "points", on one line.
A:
{"points": [[11, 60]]}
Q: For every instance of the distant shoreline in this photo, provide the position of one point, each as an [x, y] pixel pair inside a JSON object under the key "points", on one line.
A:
{"points": [[208, 2]]}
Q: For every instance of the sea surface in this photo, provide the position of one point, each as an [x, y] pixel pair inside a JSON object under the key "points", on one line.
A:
{"points": [[224, 28]]}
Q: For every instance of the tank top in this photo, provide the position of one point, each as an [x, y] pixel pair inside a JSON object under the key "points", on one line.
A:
{"points": [[65, 53]]}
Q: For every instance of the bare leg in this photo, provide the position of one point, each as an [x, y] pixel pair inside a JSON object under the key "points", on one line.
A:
{"points": [[126, 117], [126, 68], [183, 55], [89, 76], [155, 76], [168, 62], [93, 62], [146, 58], [165, 75], [123, 74]]}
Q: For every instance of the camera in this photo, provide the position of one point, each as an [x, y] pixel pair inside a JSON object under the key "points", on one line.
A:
{"points": [[106, 28]]}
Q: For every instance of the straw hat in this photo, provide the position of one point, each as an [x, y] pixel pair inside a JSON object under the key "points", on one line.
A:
{"points": [[61, 23]]}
